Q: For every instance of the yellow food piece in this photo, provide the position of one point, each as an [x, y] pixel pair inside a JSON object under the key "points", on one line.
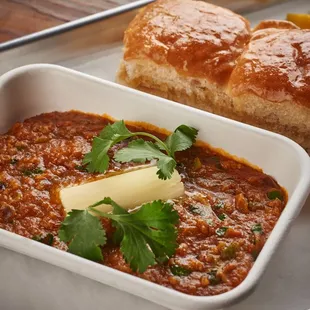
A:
{"points": [[129, 190], [301, 20]]}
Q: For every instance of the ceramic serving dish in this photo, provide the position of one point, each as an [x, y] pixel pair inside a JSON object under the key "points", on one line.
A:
{"points": [[34, 89]]}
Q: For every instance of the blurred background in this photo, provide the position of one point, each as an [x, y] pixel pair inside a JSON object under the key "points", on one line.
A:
{"points": [[22, 17]]}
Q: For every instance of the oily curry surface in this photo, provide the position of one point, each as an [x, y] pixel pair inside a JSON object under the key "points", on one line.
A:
{"points": [[226, 214]]}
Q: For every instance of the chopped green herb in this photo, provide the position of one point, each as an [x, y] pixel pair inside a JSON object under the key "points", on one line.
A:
{"points": [[31, 172], [209, 222], [219, 205], [229, 252], [179, 271], [139, 150], [221, 231], [257, 228], [194, 209], [253, 205], [13, 161], [213, 277], [275, 194], [48, 239], [201, 210], [145, 236], [222, 216], [81, 168]]}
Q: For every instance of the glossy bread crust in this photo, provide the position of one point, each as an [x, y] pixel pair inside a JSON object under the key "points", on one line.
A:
{"points": [[196, 38], [277, 24], [205, 56], [275, 66]]}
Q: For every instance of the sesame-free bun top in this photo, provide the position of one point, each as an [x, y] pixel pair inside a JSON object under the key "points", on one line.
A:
{"points": [[196, 38], [275, 66], [275, 24]]}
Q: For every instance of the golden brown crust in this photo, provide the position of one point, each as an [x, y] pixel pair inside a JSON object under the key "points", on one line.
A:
{"points": [[205, 56], [275, 66], [292, 122], [277, 24], [196, 38]]}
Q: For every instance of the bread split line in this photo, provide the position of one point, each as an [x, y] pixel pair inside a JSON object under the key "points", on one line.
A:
{"points": [[208, 57]]}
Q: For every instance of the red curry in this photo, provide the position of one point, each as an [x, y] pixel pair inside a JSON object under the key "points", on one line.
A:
{"points": [[226, 215]]}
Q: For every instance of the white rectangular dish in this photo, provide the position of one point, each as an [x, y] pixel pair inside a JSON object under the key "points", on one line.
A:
{"points": [[35, 89]]}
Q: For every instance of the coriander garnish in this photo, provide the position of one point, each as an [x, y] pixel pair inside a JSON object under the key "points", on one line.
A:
{"points": [[30, 172], [179, 271], [221, 231], [275, 194], [257, 228], [222, 216], [139, 150], [219, 205], [213, 277], [145, 236], [84, 233]]}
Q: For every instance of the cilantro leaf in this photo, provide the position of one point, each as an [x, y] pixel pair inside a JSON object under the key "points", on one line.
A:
{"points": [[98, 160], [141, 151], [116, 132], [84, 233], [182, 139], [147, 235], [166, 167]]}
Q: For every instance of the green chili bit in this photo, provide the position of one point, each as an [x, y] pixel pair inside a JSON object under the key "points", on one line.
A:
{"points": [[257, 228], [275, 194], [222, 216], [195, 209], [219, 205], [179, 271], [221, 231], [31, 172], [213, 277]]}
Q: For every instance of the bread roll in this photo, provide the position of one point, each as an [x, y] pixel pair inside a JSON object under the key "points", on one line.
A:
{"points": [[207, 57], [270, 85]]}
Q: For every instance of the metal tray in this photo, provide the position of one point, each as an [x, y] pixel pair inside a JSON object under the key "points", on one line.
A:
{"points": [[96, 47], [240, 6]]}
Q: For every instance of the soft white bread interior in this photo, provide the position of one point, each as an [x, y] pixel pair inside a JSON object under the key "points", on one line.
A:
{"points": [[207, 57]]}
